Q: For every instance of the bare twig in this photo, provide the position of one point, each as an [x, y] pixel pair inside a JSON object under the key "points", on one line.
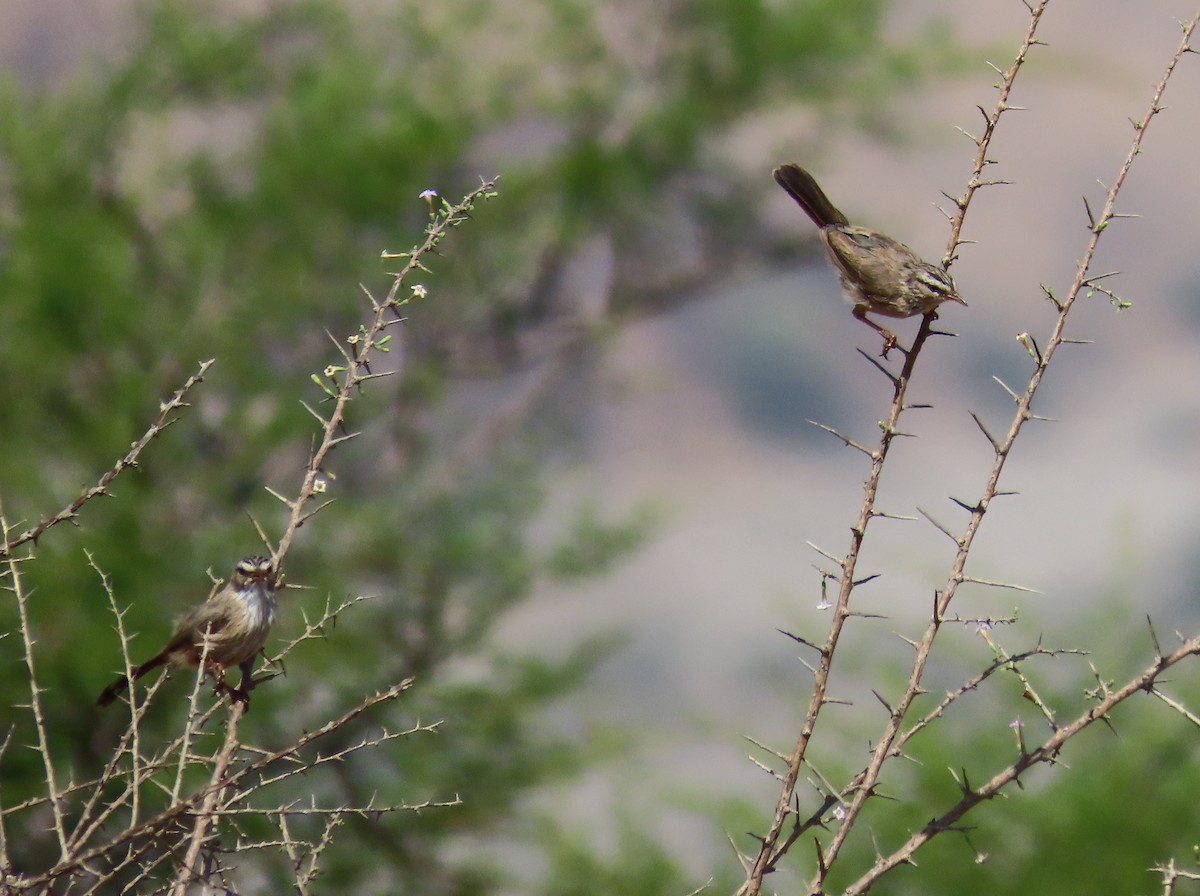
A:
{"points": [[342, 382], [204, 816], [164, 419], [1046, 752], [53, 793]]}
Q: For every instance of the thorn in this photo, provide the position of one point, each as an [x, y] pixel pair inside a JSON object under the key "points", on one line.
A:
{"points": [[969, 508], [983, 429], [828, 556], [1003, 385], [878, 366], [746, 864], [780, 756], [879, 697], [1158, 654], [1050, 295], [849, 443], [1012, 586], [859, 614], [324, 423], [892, 516], [941, 528], [285, 501], [799, 640]]}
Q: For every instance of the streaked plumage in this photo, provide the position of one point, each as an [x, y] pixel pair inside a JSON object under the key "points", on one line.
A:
{"points": [[878, 274], [233, 623]]}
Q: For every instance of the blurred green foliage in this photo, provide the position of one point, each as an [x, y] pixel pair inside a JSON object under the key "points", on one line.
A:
{"points": [[218, 191]]}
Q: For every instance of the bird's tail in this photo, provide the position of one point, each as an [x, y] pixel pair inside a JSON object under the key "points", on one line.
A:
{"points": [[801, 186], [109, 694]]}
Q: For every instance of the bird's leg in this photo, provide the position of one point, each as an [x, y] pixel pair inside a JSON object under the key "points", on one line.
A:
{"points": [[217, 671], [241, 694], [889, 338]]}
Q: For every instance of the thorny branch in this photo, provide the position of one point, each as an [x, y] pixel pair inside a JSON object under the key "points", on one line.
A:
{"points": [[164, 419], [771, 850], [175, 841], [889, 745], [1047, 752], [357, 354], [210, 795], [341, 383], [1022, 414]]}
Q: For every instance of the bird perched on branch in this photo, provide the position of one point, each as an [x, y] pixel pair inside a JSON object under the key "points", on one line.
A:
{"points": [[228, 629], [878, 274]]}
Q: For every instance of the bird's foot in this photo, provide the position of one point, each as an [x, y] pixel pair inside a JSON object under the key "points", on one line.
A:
{"points": [[889, 342]]}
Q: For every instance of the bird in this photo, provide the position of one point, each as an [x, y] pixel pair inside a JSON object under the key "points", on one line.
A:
{"points": [[228, 629], [879, 275]]}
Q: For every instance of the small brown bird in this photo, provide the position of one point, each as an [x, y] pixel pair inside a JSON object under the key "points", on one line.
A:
{"points": [[233, 623], [878, 274]]}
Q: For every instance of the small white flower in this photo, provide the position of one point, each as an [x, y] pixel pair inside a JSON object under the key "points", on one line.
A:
{"points": [[419, 291], [428, 195]]}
